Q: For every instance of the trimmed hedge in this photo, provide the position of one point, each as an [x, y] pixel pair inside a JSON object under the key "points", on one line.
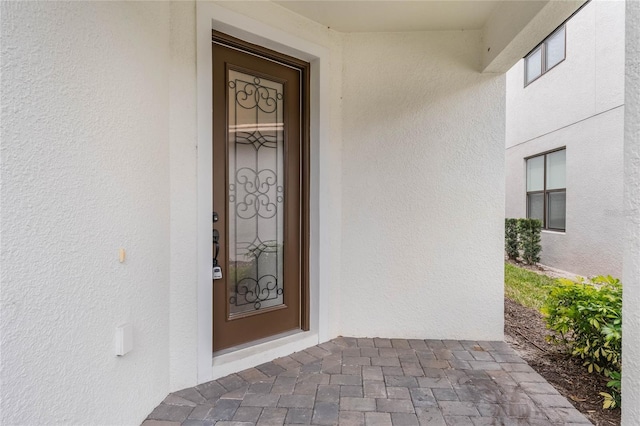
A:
{"points": [[529, 230], [511, 238], [522, 236]]}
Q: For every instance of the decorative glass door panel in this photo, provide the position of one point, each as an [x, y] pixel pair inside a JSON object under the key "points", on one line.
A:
{"points": [[259, 194], [256, 192]]}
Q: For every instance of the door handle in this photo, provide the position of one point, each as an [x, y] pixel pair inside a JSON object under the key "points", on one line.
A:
{"points": [[216, 243]]}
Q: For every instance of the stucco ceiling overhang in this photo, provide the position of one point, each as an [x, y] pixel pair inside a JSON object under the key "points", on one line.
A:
{"points": [[395, 15], [509, 28]]}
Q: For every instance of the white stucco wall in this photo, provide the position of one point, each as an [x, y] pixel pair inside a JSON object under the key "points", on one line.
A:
{"points": [[422, 173], [589, 81], [592, 243], [104, 111], [183, 194], [631, 274], [85, 171], [577, 104]]}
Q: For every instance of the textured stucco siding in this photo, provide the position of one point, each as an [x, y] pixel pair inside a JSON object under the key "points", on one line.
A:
{"points": [[631, 274], [85, 171], [183, 196], [577, 104], [589, 81], [99, 152], [593, 241], [423, 174]]}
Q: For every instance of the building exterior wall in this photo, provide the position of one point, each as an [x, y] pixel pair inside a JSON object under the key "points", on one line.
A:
{"points": [[577, 105], [631, 274], [183, 326], [99, 152], [422, 185], [112, 86], [85, 171]]}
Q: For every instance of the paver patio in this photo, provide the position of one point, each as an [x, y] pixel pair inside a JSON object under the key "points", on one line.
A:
{"points": [[351, 381]]}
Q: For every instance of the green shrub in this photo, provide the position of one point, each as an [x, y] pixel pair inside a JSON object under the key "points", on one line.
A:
{"points": [[588, 319], [613, 399], [511, 238], [529, 235]]}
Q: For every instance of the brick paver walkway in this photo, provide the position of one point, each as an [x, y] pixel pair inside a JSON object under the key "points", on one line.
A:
{"points": [[350, 381]]}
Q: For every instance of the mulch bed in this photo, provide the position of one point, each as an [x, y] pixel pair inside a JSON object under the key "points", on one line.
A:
{"points": [[526, 332]]}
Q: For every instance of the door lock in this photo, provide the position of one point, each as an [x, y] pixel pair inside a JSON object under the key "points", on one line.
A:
{"points": [[217, 270]]}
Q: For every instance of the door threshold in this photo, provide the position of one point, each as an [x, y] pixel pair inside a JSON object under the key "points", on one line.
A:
{"points": [[256, 342], [238, 358]]}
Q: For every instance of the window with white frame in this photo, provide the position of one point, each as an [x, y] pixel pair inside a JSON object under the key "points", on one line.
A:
{"points": [[546, 56], [547, 189]]}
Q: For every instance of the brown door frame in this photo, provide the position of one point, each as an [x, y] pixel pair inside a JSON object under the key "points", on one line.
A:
{"points": [[304, 233]]}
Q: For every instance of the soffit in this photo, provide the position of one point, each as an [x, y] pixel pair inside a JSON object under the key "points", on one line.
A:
{"points": [[394, 15]]}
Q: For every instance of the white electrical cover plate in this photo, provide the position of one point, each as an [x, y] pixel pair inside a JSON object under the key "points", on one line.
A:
{"points": [[124, 339]]}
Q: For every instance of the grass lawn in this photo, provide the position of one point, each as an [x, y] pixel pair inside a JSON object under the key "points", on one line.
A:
{"points": [[525, 287]]}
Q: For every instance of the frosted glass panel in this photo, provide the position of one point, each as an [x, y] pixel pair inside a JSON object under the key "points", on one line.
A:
{"points": [[557, 207], [555, 48], [534, 65], [535, 174], [535, 207], [556, 170], [256, 192]]}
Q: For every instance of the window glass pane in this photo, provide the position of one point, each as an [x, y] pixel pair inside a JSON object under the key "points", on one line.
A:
{"points": [[555, 48], [535, 206], [535, 174], [556, 170], [557, 209], [256, 190], [533, 65]]}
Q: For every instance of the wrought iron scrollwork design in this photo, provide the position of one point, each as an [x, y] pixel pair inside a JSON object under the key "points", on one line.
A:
{"points": [[256, 191], [250, 95], [257, 139], [250, 291], [256, 201]]}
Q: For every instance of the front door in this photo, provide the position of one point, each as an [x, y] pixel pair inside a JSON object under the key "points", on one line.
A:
{"points": [[259, 193]]}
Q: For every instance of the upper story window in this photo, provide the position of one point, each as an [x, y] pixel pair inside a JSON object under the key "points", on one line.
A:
{"points": [[546, 56], [547, 189]]}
